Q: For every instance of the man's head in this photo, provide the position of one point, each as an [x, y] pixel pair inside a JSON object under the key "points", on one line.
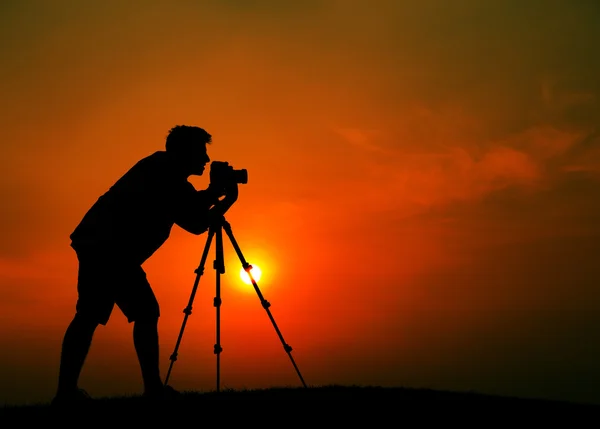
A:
{"points": [[188, 145]]}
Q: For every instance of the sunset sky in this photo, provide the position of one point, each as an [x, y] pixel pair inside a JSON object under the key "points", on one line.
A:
{"points": [[423, 193]]}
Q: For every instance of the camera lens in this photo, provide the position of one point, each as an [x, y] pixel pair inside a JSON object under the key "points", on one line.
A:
{"points": [[240, 176]]}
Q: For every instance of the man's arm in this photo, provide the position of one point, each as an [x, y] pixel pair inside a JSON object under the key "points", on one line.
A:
{"points": [[218, 210], [203, 208]]}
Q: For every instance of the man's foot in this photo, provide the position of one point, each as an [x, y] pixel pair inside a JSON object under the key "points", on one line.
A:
{"points": [[72, 397], [162, 393]]}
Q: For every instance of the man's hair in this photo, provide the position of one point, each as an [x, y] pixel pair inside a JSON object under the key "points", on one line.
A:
{"points": [[182, 138]]}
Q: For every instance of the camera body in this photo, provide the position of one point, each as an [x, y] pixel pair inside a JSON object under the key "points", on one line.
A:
{"points": [[221, 174]]}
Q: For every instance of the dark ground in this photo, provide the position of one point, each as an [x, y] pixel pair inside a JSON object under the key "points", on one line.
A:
{"points": [[313, 406]]}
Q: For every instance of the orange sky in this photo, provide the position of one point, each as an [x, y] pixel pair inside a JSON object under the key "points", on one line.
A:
{"points": [[422, 195]]}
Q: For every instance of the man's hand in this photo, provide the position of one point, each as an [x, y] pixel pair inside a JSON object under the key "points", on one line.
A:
{"points": [[220, 208], [216, 191]]}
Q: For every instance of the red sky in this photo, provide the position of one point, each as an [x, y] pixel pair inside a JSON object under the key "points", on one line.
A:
{"points": [[422, 195]]}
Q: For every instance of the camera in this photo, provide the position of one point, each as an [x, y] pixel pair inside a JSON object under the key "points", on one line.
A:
{"points": [[221, 173]]}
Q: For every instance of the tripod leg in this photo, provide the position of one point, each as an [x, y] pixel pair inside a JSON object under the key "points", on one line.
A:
{"points": [[188, 310], [265, 304], [219, 266]]}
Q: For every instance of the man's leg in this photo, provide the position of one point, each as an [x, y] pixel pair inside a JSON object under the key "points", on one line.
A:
{"points": [[94, 306], [139, 304], [75, 347], [145, 340]]}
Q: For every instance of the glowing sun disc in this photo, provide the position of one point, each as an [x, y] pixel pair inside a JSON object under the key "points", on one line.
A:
{"points": [[255, 271]]}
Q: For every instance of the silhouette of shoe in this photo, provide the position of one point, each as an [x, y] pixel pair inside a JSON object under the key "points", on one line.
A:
{"points": [[71, 398], [162, 394]]}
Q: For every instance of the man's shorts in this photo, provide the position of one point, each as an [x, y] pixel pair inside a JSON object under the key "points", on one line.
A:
{"points": [[105, 280]]}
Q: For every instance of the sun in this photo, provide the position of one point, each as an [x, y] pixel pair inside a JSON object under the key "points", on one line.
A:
{"points": [[255, 271]]}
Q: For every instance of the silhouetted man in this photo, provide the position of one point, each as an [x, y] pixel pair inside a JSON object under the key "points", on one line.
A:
{"points": [[123, 229]]}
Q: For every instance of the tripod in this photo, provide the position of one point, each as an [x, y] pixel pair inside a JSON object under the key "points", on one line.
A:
{"points": [[216, 230]]}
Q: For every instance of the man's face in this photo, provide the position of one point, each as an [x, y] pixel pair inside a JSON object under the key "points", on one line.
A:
{"points": [[198, 159]]}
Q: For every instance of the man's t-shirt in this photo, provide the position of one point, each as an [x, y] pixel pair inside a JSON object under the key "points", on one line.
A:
{"points": [[135, 216]]}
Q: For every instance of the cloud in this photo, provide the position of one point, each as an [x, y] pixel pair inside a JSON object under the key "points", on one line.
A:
{"points": [[364, 139], [435, 165], [37, 266], [559, 98], [585, 157], [458, 175]]}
